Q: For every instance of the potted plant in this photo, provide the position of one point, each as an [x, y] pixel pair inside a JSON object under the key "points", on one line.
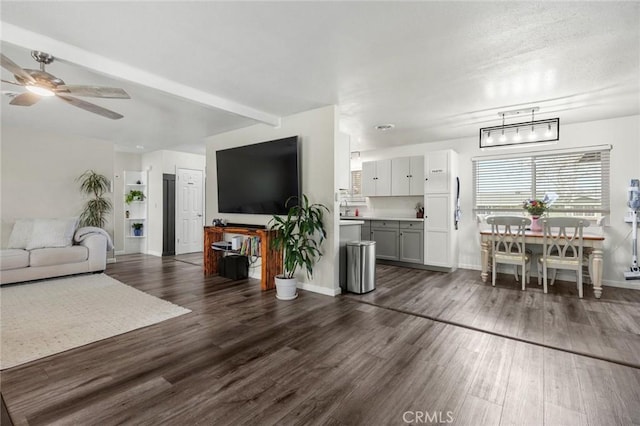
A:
{"points": [[137, 229], [97, 208], [134, 195], [299, 235]]}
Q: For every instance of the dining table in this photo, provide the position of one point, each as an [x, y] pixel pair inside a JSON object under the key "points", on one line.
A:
{"points": [[593, 243]]}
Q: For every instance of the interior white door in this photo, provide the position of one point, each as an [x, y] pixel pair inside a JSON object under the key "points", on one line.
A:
{"points": [[190, 211]]}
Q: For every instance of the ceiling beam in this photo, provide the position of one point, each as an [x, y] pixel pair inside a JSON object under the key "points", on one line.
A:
{"points": [[34, 41]]}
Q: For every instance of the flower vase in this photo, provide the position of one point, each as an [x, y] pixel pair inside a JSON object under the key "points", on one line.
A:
{"points": [[536, 226]]}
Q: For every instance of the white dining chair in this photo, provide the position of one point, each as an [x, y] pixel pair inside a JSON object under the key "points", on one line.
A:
{"points": [[508, 245], [563, 248]]}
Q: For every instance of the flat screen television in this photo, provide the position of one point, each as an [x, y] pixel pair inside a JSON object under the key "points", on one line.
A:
{"points": [[258, 178]]}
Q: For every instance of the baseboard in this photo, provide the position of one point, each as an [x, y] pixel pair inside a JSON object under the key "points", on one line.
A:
{"points": [[321, 290], [111, 260], [471, 267], [414, 265], [154, 253], [119, 252], [631, 284]]}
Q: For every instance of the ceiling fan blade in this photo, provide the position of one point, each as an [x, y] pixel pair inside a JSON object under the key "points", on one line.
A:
{"points": [[12, 82], [25, 99], [94, 91], [15, 69], [90, 107]]}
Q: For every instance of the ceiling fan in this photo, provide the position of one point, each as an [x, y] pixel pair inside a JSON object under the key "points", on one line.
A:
{"points": [[40, 83]]}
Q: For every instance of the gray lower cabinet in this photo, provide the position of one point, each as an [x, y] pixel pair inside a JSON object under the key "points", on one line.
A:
{"points": [[411, 245], [365, 231], [386, 234]]}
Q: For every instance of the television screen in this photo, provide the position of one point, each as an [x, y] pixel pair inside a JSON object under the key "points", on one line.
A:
{"points": [[258, 178]]}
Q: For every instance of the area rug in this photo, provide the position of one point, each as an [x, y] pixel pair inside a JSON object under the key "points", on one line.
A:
{"points": [[48, 317]]}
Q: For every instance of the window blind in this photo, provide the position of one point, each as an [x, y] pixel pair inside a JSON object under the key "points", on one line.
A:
{"points": [[579, 178], [356, 182]]}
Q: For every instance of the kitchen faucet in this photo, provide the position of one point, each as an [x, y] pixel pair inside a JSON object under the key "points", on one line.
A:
{"points": [[347, 210]]}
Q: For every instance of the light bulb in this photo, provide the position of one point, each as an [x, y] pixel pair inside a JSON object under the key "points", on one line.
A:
{"points": [[42, 91], [503, 137], [517, 137], [489, 138], [548, 133], [532, 134]]}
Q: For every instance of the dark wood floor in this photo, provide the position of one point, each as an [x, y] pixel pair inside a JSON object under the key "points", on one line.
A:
{"points": [[608, 328], [242, 357]]}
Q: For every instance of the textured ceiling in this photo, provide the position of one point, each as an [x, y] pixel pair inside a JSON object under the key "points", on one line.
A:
{"points": [[437, 70]]}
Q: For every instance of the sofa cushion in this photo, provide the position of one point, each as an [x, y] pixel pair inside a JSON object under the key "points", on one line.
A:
{"points": [[13, 259], [20, 234], [52, 233], [58, 255]]}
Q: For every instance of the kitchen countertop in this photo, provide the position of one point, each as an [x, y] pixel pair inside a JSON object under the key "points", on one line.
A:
{"points": [[405, 219], [351, 221]]}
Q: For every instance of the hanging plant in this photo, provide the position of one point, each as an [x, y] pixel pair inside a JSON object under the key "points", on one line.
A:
{"points": [[98, 207]]}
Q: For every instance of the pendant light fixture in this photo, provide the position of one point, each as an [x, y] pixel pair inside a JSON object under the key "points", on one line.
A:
{"points": [[536, 131]]}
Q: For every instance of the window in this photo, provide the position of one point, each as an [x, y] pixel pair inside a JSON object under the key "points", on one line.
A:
{"points": [[579, 178], [356, 182]]}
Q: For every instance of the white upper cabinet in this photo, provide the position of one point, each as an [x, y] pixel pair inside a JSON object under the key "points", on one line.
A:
{"points": [[437, 176], [376, 178], [416, 185], [407, 176]]}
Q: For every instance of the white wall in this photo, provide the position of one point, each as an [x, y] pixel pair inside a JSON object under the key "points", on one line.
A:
{"points": [[123, 161], [152, 163], [173, 160], [156, 163], [317, 130], [39, 171], [622, 133]]}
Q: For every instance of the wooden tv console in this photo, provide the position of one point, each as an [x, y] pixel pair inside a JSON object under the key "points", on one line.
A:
{"points": [[271, 258]]}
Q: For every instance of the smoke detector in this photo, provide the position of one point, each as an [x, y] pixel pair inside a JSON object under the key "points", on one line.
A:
{"points": [[384, 127]]}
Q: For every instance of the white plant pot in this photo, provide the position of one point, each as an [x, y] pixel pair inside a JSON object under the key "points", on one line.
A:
{"points": [[286, 288]]}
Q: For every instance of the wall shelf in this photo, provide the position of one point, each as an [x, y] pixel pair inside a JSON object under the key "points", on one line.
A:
{"points": [[137, 212]]}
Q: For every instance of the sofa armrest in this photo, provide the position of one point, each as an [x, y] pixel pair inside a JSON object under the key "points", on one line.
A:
{"points": [[97, 246]]}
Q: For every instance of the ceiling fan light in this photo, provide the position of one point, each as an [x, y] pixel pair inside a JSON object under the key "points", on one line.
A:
{"points": [[42, 91]]}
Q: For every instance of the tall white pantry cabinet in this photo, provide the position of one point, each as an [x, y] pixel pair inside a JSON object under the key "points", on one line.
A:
{"points": [[440, 196]]}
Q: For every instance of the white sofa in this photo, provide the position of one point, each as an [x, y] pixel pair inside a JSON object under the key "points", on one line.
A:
{"points": [[86, 253]]}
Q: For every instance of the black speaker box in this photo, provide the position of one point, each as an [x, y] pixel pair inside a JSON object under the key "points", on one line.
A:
{"points": [[234, 267]]}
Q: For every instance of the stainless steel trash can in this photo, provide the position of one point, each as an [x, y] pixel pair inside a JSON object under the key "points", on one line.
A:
{"points": [[361, 266]]}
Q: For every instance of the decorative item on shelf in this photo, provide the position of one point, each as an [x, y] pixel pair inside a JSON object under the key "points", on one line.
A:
{"points": [[537, 208], [534, 131], [138, 182], [137, 229], [134, 195], [219, 222], [97, 208], [126, 214], [300, 235], [419, 211]]}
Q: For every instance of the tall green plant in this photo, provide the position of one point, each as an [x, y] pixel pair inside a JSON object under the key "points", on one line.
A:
{"points": [[299, 235], [97, 208]]}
